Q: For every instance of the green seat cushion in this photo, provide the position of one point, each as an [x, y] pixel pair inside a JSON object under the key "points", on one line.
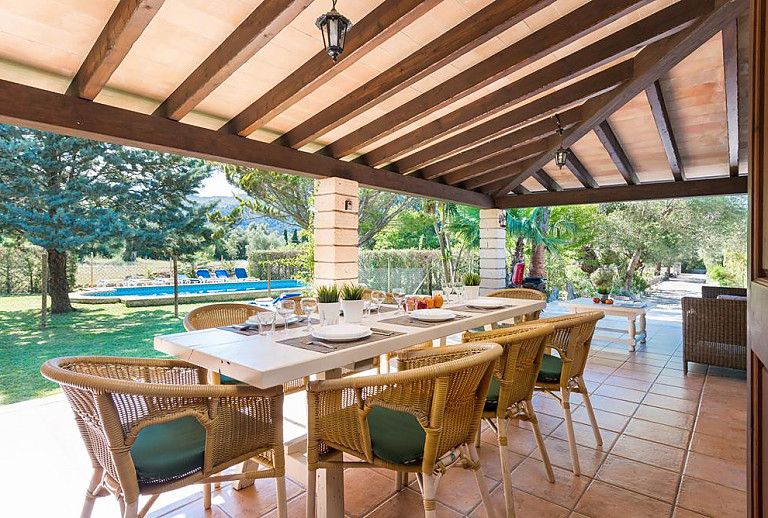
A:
{"points": [[168, 450], [396, 437], [492, 400], [226, 380], [551, 366]]}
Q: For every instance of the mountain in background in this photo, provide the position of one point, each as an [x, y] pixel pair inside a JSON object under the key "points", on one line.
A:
{"points": [[226, 204]]}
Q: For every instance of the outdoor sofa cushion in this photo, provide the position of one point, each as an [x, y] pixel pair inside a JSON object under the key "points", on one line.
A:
{"points": [[396, 437], [169, 450], [732, 297]]}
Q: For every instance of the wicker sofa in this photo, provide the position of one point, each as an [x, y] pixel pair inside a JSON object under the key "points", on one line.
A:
{"points": [[715, 330]]}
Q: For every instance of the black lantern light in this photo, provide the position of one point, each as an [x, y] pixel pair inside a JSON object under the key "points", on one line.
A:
{"points": [[561, 155], [334, 27]]}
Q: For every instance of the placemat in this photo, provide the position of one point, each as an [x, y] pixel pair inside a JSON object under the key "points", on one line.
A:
{"points": [[405, 320], [470, 309], [253, 329], [311, 343]]}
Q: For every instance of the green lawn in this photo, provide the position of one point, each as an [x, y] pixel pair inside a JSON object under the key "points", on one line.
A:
{"points": [[110, 329]]}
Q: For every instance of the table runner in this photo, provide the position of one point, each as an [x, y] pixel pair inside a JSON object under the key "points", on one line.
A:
{"points": [[406, 320], [303, 342]]}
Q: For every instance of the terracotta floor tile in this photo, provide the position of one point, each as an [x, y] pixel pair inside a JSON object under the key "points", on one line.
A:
{"points": [[649, 452], [458, 490], [664, 416], [640, 367], [641, 478], [193, 510], [626, 394], [548, 405], [547, 423], [408, 503], [681, 512], [675, 380], [297, 508], [559, 452], [491, 462], [531, 478], [525, 505], [252, 501], [719, 448], [682, 393], [672, 403], [520, 441], [618, 381], [603, 500], [712, 499], [605, 420], [658, 361], [585, 437], [725, 429], [636, 375], [729, 473], [657, 432], [609, 404], [365, 489]]}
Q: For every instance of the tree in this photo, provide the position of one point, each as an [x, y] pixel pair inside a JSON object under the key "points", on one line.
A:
{"points": [[66, 193], [295, 237], [537, 229], [287, 198]]}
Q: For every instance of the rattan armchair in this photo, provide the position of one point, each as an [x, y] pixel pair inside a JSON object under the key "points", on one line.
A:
{"points": [[509, 396], [151, 426], [715, 330], [564, 374], [522, 294], [421, 419]]}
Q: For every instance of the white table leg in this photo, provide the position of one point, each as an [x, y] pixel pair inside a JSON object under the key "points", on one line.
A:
{"points": [[330, 482], [632, 333]]}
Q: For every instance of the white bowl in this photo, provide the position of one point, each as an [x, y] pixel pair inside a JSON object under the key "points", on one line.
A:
{"points": [[432, 315], [341, 333], [486, 303]]}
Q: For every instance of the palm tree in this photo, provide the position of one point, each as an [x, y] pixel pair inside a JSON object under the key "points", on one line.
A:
{"points": [[533, 227]]}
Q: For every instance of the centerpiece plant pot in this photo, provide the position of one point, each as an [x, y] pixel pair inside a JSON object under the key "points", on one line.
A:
{"points": [[471, 285], [352, 303], [603, 279], [328, 305]]}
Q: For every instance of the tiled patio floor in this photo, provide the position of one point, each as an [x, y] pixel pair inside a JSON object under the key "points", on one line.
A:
{"points": [[673, 445]]}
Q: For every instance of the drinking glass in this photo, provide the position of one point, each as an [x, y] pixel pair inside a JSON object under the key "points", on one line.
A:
{"points": [[266, 322], [399, 295], [286, 308], [378, 297], [308, 306]]}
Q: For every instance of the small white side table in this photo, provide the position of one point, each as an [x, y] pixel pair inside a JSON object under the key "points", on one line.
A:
{"points": [[637, 331]]}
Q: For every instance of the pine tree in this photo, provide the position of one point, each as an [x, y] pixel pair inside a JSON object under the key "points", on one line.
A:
{"points": [[295, 237], [67, 194]]}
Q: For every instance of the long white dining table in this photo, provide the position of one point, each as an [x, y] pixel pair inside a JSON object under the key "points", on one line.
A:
{"points": [[264, 362]]}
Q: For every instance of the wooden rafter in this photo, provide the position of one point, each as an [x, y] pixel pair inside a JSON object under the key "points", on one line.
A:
{"points": [[664, 125], [258, 29], [378, 26], [547, 181], [127, 23], [49, 111], [521, 190], [731, 65], [486, 24], [495, 162], [615, 150], [646, 191], [529, 133], [557, 101], [490, 179], [657, 26], [649, 64], [578, 170]]}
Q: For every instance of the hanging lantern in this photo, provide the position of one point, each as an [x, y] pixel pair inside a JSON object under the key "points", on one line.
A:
{"points": [[561, 155], [334, 27]]}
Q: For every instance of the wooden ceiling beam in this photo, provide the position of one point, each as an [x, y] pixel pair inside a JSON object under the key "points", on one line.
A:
{"points": [[124, 27], [50, 111], [615, 150], [578, 170], [646, 191], [478, 29], [547, 181], [529, 133], [731, 65], [492, 178], [655, 27], [557, 101], [258, 29], [386, 20], [521, 190], [495, 162], [649, 64], [664, 125]]}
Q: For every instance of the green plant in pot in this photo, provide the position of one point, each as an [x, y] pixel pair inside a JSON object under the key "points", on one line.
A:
{"points": [[328, 305], [471, 285], [352, 303], [603, 279]]}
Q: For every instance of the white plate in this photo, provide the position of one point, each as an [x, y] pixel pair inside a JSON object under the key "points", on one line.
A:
{"points": [[341, 332], [432, 315], [486, 303]]}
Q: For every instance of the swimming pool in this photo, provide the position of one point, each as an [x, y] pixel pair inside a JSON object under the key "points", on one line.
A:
{"points": [[203, 292]]}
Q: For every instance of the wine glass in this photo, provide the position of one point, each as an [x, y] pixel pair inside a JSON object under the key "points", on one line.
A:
{"points": [[378, 297], [399, 295], [309, 306], [286, 308], [266, 322]]}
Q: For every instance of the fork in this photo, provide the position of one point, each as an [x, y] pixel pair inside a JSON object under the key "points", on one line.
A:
{"points": [[310, 342]]}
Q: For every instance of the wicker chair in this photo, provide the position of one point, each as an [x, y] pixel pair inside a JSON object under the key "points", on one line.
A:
{"points": [[715, 330], [565, 374], [421, 419], [509, 396], [151, 426], [522, 294]]}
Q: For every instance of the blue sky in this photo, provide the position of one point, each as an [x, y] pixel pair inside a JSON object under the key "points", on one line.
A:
{"points": [[217, 185]]}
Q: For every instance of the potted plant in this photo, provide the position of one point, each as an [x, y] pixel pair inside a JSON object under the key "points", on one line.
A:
{"points": [[328, 305], [471, 285], [352, 302], [603, 279]]}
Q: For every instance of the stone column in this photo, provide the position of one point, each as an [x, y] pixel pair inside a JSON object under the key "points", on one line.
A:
{"points": [[493, 263], [336, 238]]}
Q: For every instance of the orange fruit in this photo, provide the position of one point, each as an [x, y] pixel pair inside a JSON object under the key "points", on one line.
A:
{"points": [[430, 302], [438, 299]]}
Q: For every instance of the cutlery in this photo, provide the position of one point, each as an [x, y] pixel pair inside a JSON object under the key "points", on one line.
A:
{"points": [[383, 333], [310, 342]]}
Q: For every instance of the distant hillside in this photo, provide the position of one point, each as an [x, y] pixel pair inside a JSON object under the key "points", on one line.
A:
{"points": [[226, 204]]}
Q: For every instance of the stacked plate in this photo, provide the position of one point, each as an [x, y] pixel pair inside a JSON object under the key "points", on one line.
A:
{"points": [[432, 315], [341, 333], [486, 303]]}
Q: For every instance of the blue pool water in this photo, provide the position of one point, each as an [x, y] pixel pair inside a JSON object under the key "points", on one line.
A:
{"points": [[213, 287]]}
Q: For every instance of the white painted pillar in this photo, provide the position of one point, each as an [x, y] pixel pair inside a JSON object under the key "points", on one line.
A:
{"points": [[336, 238], [493, 261]]}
